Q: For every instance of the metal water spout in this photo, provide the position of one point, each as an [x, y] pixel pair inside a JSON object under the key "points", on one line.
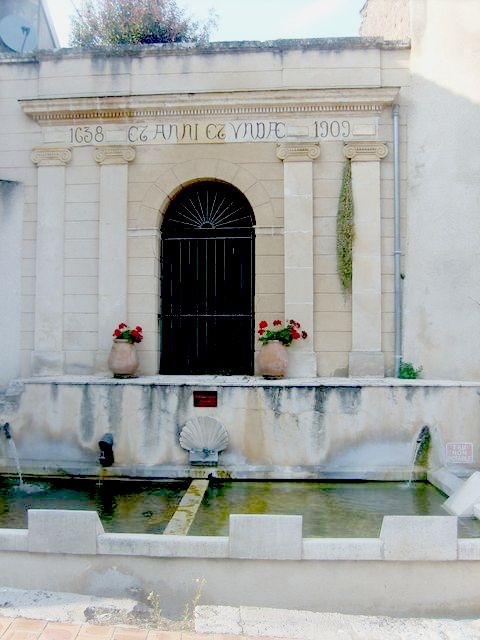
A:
{"points": [[423, 442], [106, 458], [6, 431]]}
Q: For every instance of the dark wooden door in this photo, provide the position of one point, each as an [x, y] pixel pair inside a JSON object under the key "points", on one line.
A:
{"points": [[207, 282]]}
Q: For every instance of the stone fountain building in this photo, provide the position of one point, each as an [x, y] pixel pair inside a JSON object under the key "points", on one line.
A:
{"points": [[194, 191], [100, 147]]}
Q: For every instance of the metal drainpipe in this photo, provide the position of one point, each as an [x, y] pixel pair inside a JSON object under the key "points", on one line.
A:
{"points": [[397, 240]]}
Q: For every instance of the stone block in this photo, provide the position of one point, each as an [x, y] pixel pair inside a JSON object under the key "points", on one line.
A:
{"points": [[244, 179], [342, 549], [419, 538], [301, 364], [126, 544], [13, 540], [218, 620], [468, 549], [366, 363], [461, 503], [46, 363], [269, 537], [191, 546], [445, 480], [58, 531]]}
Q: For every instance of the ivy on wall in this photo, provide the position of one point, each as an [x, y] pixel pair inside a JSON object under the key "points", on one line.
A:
{"points": [[345, 228]]}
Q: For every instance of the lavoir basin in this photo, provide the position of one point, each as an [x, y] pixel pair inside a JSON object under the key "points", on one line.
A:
{"points": [[254, 548], [328, 509]]}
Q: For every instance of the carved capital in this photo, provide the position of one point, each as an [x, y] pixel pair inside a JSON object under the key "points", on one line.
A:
{"points": [[365, 151], [298, 151], [114, 154], [51, 156]]}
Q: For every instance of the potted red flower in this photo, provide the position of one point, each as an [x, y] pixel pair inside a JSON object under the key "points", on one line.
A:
{"points": [[273, 359], [123, 332], [123, 359]]}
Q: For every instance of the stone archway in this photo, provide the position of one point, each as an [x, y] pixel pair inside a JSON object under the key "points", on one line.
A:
{"points": [[144, 230], [208, 256]]}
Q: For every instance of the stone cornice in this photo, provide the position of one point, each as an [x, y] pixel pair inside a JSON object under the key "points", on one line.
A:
{"points": [[242, 104], [51, 156], [298, 151], [114, 154], [365, 151]]}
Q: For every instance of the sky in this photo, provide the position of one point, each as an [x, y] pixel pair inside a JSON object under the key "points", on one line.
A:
{"points": [[253, 19]]}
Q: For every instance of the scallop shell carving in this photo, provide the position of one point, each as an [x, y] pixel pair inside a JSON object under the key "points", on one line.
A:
{"points": [[205, 433]]}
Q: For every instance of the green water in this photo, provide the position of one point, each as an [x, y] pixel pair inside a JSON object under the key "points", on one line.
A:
{"points": [[329, 509], [123, 506]]}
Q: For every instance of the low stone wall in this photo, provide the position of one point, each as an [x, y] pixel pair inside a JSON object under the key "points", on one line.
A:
{"points": [[292, 428], [417, 566]]}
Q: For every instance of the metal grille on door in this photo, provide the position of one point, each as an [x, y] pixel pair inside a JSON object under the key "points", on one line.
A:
{"points": [[208, 282]]}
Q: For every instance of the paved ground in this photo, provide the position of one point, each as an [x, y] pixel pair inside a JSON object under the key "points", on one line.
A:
{"points": [[44, 615]]}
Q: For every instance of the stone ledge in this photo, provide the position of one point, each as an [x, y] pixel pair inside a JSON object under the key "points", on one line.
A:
{"points": [[244, 381], [342, 549], [166, 546], [13, 539], [252, 537]]}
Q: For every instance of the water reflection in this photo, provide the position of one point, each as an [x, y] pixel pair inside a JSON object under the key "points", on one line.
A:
{"points": [[121, 505], [329, 509]]}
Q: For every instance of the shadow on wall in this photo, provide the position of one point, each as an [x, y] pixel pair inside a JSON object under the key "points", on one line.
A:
{"points": [[11, 223], [440, 289]]}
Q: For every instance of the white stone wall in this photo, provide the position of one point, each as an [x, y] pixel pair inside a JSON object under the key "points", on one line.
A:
{"points": [[69, 551], [442, 292], [157, 171], [389, 19], [313, 428], [11, 218]]}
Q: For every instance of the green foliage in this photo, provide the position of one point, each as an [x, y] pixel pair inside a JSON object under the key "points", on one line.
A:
{"points": [[284, 333], [345, 229], [119, 22], [408, 371], [154, 600], [123, 332], [189, 610]]}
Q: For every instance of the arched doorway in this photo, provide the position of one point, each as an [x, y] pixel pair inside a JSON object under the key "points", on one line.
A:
{"points": [[208, 250]]}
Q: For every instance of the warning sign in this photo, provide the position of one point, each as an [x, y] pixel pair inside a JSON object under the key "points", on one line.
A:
{"points": [[459, 452]]}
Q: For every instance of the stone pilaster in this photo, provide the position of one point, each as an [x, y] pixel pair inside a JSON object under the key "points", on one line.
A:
{"points": [[112, 244], [48, 354], [366, 357], [298, 160]]}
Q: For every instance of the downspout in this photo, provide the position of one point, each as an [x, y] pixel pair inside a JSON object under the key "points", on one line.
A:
{"points": [[397, 242]]}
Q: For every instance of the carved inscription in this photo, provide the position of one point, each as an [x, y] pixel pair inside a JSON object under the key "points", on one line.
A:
{"points": [[268, 130], [211, 131], [86, 135]]}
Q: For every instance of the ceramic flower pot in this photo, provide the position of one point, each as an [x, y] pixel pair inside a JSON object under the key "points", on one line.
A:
{"points": [[123, 359], [273, 360]]}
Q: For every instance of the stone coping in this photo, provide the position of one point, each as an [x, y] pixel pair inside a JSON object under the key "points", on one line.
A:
{"points": [[185, 48], [251, 537], [242, 381]]}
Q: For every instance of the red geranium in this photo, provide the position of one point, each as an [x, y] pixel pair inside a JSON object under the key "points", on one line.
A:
{"points": [[123, 332], [285, 334]]}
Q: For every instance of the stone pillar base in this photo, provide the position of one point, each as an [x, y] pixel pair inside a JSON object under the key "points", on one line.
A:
{"points": [[301, 364], [101, 362], [366, 364], [48, 363]]}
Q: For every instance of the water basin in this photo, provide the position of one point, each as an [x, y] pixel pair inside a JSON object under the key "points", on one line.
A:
{"points": [[329, 509], [123, 506]]}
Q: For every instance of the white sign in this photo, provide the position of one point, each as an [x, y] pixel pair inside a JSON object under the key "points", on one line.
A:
{"points": [[459, 452]]}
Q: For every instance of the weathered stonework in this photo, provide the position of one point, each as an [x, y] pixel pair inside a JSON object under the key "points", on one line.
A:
{"points": [[276, 121]]}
